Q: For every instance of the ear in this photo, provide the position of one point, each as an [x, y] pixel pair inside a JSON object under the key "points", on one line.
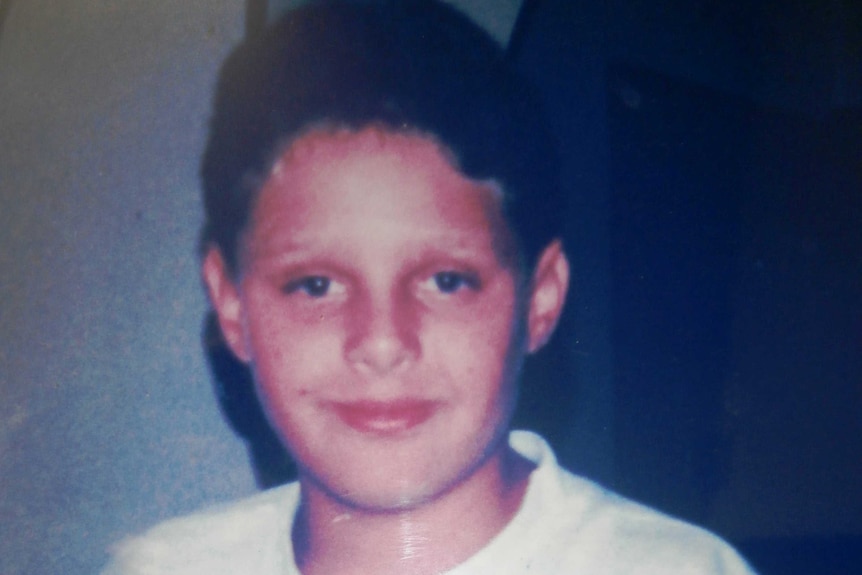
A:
{"points": [[225, 298], [547, 295]]}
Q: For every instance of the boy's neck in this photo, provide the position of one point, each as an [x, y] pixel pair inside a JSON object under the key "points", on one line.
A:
{"points": [[331, 538]]}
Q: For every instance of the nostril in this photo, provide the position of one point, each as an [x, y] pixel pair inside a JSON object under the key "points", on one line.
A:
{"points": [[380, 354]]}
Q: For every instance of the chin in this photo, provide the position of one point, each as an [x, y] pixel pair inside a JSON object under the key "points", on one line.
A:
{"points": [[384, 489], [381, 495]]}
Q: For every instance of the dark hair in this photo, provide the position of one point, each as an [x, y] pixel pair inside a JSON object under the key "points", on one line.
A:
{"points": [[415, 66]]}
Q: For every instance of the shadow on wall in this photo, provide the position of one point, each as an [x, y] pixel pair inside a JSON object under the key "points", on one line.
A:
{"points": [[234, 387]]}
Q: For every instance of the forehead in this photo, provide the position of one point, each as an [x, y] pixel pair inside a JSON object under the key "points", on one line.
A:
{"points": [[357, 166], [329, 182]]}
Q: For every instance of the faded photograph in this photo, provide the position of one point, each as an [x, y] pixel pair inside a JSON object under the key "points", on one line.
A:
{"points": [[425, 287]]}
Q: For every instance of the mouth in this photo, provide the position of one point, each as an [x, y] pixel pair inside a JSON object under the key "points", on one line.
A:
{"points": [[385, 417]]}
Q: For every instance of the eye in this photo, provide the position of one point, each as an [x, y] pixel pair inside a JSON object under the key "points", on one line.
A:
{"points": [[450, 282], [312, 286]]}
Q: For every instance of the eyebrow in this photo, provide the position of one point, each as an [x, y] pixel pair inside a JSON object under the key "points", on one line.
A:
{"points": [[444, 246]]}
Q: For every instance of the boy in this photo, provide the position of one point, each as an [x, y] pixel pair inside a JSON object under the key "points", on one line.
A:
{"points": [[382, 249]]}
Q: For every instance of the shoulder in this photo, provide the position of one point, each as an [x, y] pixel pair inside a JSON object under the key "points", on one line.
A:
{"points": [[594, 530], [218, 540], [643, 540]]}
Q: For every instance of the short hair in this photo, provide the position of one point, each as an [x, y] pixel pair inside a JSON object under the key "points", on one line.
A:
{"points": [[406, 65]]}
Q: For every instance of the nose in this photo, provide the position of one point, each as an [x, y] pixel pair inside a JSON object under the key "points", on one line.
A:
{"points": [[382, 337]]}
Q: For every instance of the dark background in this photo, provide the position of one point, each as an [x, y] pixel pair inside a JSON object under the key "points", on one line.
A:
{"points": [[714, 160]]}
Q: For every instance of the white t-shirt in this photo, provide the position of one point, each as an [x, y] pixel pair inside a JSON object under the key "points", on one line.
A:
{"points": [[566, 525]]}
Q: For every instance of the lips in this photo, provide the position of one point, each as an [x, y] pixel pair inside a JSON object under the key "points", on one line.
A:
{"points": [[386, 417]]}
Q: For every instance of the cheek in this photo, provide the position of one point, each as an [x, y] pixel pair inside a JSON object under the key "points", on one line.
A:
{"points": [[289, 353], [292, 364], [476, 349]]}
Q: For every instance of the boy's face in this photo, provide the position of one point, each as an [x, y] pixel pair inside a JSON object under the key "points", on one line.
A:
{"points": [[384, 327]]}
